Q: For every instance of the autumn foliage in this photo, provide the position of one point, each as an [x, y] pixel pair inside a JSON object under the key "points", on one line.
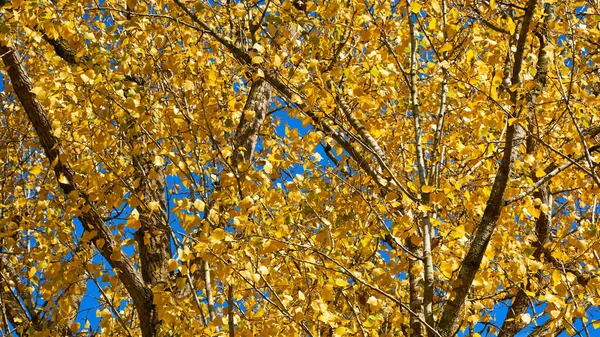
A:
{"points": [[299, 168]]}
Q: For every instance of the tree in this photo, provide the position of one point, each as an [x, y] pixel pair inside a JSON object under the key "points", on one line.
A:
{"points": [[307, 168]]}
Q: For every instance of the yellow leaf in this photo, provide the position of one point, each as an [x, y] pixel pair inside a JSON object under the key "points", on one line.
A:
{"points": [[131, 4], [62, 179], [447, 268], [134, 219], [75, 327], [276, 60], [415, 240], [579, 312], [263, 270], [511, 26], [257, 60], [172, 265], [424, 208], [36, 90], [301, 296], [249, 114], [295, 196], [340, 282], [426, 189], [84, 78], [158, 161], [415, 7], [529, 159], [325, 317], [35, 170], [374, 303], [116, 255], [31, 272], [445, 47], [268, 167], [258, 47], [247, 202], [218, 234], [377, 272], [391, 196], [368, 104], [540, 173], [239, 10], [297, 99], [556, 277], [258, 75], [188, 85], [212, 77], [199, 204], [526, 318], [226, 152], [458, 233], [153, 205], [340, 331], [513, 87]]}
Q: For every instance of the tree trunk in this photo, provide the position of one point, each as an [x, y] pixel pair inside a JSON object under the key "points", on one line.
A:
{"points": [[514, 138], [140, 293]]}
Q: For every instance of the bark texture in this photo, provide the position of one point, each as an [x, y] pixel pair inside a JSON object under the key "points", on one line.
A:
{"points": [[248, 129]]}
